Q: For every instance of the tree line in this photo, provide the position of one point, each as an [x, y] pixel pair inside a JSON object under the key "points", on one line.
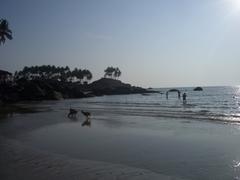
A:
{"points": [[47, 72], [112, 72], [62, 74]]}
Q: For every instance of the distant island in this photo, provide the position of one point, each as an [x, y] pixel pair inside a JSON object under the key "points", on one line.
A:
{"points": [[53, 83]]}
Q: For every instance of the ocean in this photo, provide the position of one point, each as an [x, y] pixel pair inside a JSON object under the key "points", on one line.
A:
{"points": [[198, 139], [213, 103]]}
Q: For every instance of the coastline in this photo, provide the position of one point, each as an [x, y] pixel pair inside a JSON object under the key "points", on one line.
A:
{"points": [[128, 137], [39, 90]]}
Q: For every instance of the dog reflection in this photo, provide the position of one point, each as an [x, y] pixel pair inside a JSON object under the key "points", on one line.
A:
{"points": [[73, 119], [87, 122]]}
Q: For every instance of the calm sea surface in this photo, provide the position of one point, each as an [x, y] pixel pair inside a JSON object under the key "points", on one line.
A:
{"points": [[196, 140], [214, 103]]}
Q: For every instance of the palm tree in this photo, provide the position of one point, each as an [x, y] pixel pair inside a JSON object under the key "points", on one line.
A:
{"points": [[117, 72], [5, 32], [109, 72], [87, 75]]}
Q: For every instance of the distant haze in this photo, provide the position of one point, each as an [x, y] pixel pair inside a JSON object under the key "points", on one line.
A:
{"points": [[155, 43]]}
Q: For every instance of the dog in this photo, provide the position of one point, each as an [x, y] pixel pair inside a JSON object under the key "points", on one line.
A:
{"points": [[72, 113], [86, 114]]}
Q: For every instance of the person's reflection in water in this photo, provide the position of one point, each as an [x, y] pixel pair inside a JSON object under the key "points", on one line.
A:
{"points": [[87, 122]]}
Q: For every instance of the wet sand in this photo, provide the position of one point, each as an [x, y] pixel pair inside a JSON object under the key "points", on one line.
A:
{"points": [[117, 145], [18, 161]]}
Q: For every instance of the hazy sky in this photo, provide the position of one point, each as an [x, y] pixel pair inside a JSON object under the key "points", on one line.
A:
{"points": [[157, 43]]}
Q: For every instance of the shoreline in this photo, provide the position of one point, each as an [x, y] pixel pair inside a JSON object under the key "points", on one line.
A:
{"points": [[124, 141]]}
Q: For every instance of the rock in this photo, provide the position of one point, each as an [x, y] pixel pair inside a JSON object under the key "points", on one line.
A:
{"points": [[108, 83], [173, 90], [32, 91], [198, 89], [37, 90], [75, 92], [54, 90], [106, 86], [57, 95]]}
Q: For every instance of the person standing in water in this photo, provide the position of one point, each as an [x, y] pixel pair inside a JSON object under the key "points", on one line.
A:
{"points": [[184, 98]]}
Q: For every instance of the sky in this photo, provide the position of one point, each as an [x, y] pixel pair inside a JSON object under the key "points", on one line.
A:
{"points": [[155, 43]]}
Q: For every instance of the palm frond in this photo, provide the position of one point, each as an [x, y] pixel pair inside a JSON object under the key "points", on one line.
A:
{"points": [[5, 32], [2, 39], [9, 36]]}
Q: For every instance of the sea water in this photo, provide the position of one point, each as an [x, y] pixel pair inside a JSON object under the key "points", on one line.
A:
{"points": [[213, 103]]}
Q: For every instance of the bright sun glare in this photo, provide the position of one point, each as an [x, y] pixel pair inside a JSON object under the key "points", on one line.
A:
{"points": [[234, 6]]}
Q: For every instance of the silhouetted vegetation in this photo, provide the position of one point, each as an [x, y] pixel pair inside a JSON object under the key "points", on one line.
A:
{"points": [[5, 32], [52, 83], [112, 72], [47, 72]]}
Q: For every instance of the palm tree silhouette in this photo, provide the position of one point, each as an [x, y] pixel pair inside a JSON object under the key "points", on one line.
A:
{"points": [[109, 72], [117, 72], [5, 32]]}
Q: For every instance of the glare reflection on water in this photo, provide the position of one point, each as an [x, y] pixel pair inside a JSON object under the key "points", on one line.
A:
{"points": [[236, 163]]}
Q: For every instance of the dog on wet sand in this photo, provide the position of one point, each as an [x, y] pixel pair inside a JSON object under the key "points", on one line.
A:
{"points": [[72, 113]]}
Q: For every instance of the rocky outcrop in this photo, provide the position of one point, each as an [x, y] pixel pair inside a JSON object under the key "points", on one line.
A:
{"points": [[29, 90], [198, 89], [106, 86], [55, 90], [37, 90]]}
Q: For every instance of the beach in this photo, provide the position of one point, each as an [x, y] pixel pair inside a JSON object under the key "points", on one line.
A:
{"points": [[19, 159], [126, 139], [120, 90]]}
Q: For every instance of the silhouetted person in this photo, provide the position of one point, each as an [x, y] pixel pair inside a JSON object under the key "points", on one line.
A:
{"points": [[179, 95], [72, 113], [184, 98]]}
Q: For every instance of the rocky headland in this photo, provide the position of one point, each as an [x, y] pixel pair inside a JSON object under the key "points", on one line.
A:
{"points": [[23, 89]]}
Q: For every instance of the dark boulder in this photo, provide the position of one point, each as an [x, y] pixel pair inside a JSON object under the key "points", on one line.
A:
{"points": [[198, 89]]}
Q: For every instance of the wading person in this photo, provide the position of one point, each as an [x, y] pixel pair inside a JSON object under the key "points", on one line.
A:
{"points": [[184, 98]]}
